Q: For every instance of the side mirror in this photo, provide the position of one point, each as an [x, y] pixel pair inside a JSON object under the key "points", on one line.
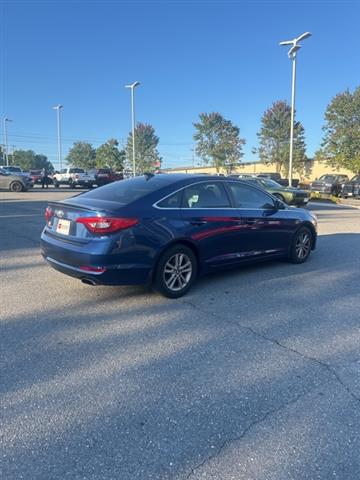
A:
{"points": [[273, 207]]}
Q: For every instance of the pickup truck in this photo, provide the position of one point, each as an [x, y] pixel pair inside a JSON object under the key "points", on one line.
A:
{"points": [[277, 178], [73, 177], [330, 184]]}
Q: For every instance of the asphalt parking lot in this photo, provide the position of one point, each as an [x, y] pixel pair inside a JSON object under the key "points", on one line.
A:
{"points": [[255, 374]]}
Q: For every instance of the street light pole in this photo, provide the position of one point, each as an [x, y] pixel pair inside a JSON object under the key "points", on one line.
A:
{"points": [[132, 87], [292, 55], [6, 141], [293, 84], [57, 108]]}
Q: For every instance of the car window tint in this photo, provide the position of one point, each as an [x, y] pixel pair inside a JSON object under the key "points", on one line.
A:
{"points": [[248, 197], [206, 195], [127, 191], [173, 201], [63, 170], [76, 170]]}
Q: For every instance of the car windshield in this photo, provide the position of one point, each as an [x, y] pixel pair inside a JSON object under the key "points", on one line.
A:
{"points": [[127, 191], [356, 178], [268, 183], [327, 178], [14, 169], [4, 172]]}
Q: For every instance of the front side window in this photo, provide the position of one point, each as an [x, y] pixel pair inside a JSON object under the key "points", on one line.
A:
{"points": [[205, 195], [248, 197]]}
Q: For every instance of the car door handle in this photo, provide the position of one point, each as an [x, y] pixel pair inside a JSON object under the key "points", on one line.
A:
{"points": [[198, 222], [250, 221]]}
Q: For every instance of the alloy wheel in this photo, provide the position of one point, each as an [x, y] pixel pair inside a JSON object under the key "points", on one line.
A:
{"points": [[177, 272], [303, 245]]}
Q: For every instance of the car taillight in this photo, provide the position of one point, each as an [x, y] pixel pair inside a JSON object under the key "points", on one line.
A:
{"points": [[107, 224], [49, 212]]}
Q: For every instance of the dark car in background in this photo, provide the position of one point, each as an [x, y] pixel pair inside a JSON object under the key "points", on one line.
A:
{"points": [[351, 188], [166, 229], [329, 183], [14, 181]]}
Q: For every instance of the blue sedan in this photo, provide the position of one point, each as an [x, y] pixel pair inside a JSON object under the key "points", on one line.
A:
{"points": [[167, 229]]}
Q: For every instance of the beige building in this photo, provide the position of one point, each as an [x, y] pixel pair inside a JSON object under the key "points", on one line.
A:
{"points": [[314, 169]]}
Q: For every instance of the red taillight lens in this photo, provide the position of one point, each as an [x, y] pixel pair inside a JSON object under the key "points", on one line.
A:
{"points": [[49, 212], [107, 224]]}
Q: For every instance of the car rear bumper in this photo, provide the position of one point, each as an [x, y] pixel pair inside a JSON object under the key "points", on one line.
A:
{"points": [[72, 261]]}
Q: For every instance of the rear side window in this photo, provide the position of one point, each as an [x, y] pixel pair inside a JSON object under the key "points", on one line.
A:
{"points": [[172, 201], [206, 195], [248, 197], [76, 170], [127, 191]]}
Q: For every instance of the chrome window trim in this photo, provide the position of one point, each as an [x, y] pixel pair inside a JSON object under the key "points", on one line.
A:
{"points": [[155, 205]]}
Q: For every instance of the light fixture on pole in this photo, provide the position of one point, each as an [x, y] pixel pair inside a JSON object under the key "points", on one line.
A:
{"points": [[6, 141], [132, 87], [292, 55], [57, 108]]}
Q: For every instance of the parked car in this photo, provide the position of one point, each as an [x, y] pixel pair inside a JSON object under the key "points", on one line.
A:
{"points": [[277, 178], [166, 229], [103, 176], [14, 181], [289, 195], [35, 175], [16, 170], [330, 184], [73, 177], [351, 188]]}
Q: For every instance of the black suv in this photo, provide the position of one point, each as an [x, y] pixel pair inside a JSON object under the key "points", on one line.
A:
{"points": [[330, 184], [351, 188]]}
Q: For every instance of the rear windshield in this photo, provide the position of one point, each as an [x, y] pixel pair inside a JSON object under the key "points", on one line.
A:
{"points": [[76, 170], [127, 191], [328, 178], [104, 170]]}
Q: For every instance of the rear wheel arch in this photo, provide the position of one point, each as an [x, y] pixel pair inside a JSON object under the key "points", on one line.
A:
{"points": [[184, 242]]}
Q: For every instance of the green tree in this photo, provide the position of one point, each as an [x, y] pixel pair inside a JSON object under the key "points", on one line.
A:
{"points": [[109, 155], [274, 139], [218, 141], [83, 155], [147, 157], [29, 160], [341, 142]]}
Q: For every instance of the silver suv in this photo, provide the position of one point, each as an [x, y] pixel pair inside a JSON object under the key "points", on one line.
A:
{"points": [[14, 182]]}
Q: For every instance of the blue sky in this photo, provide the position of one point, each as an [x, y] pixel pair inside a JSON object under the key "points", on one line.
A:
{"points": [[190, 57]]}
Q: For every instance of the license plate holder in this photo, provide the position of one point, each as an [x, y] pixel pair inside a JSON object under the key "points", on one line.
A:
{"points": [[63, 226]]}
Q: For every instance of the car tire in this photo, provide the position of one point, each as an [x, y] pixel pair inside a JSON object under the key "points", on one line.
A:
{"points": [[176, 271], [301, 245], [17, 187], [280, 197]]}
